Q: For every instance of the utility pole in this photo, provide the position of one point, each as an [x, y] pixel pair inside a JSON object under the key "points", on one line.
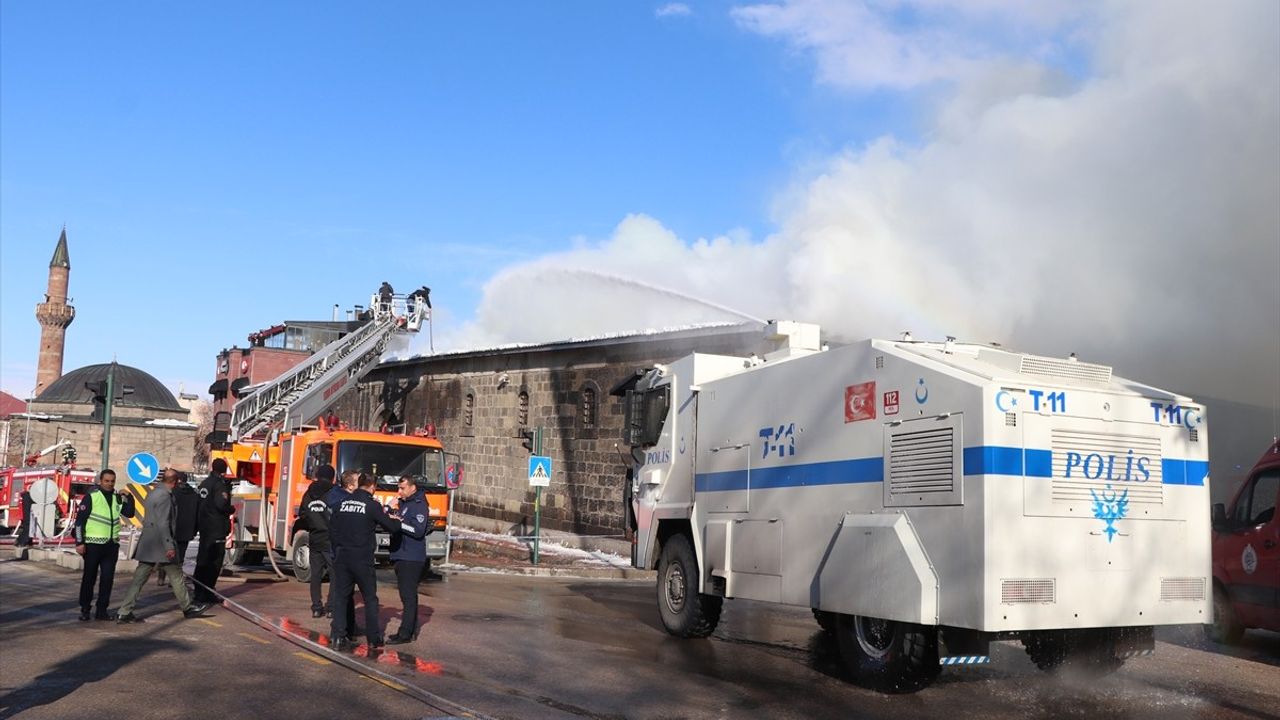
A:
{"points": [[106, 416], [537, 501], [104, 394]]}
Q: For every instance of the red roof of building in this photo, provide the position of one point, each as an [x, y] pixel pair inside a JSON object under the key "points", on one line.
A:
{"points": [[10, 405]]}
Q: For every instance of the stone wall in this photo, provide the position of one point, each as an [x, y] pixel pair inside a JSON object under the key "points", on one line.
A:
{"points": [[476, 400], [130, 433]]}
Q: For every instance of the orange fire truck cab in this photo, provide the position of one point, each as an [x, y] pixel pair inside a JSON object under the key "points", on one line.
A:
{"points": [[271, 477]]}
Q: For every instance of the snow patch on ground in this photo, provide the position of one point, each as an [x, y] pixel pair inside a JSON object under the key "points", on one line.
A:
{"points": [[595, 558]]}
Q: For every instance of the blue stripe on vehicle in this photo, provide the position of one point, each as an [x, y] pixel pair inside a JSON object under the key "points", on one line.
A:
{"points": [[840, 472], [1184, 472], [1004, 460], [982, 460]]}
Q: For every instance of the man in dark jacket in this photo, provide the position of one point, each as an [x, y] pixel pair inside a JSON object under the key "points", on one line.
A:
{"points": [[341, 491], [24, 530], [316, 514], [409, 553], [213, 519], [385, 294], [352, 534], [188, 504]]}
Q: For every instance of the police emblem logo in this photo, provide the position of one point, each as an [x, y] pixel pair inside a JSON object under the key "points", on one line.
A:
{"points": [[421, 518], [204, 493]]}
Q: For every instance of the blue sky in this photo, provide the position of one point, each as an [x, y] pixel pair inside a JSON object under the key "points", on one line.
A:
{"points": [[1039, 174], [223, 167]]}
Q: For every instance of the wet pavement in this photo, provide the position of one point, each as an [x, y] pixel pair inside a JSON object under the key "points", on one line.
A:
{"points": [[526, 647]]}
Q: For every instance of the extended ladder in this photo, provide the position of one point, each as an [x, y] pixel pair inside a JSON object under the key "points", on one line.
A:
{"points": [[302, 393]]}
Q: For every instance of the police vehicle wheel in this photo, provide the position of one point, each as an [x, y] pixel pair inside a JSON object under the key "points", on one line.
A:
{"points": [[1083, 652], [888, 655], [826, 620], [685, 611], [300, 557], [1226, 627]]}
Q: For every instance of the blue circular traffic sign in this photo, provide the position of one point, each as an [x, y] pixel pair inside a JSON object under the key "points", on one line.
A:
{"points": [[143, 468]]}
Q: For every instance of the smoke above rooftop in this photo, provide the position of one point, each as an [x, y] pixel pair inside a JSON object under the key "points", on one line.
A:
{"points": [[1130, 214]]}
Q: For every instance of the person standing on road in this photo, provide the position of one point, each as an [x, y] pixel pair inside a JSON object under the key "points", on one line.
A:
{"points": [[409, 553], [213, 519], [158, 551], [352, 534], [346, 485], [316, 514], [343, 490], [188, 504], [97, 533], [24, 529]]}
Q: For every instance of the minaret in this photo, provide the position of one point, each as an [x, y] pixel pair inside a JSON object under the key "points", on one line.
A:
{"points": [[54, 315]]}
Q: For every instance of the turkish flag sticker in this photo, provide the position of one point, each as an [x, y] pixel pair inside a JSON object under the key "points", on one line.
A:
{"points": [[860, 402]]}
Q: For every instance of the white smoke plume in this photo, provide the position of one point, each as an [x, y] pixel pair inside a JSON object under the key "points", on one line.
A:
{"points": [[1132, 216]]}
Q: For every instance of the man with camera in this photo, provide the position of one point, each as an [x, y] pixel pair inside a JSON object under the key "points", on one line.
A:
{"points": [[97, 534]]}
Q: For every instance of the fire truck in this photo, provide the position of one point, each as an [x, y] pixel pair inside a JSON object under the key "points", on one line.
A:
{"points": [[72, 485], [923, 499], [275, 438], [1246, 554]]}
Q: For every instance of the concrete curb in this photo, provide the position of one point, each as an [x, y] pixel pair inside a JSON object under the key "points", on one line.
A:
{"points": [[67, 558]]}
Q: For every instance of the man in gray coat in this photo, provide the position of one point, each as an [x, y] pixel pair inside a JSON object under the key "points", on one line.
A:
{"points": [[157, 550]]}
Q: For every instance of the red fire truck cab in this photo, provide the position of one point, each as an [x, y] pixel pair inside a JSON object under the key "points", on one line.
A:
{"points": [[72, 484], [1246, 554]]}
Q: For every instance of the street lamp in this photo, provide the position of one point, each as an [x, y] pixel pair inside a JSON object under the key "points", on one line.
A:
{"points": [[58, 431]]}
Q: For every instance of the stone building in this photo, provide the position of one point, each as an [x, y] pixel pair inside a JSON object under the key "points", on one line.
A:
{"points": [[481, 400], [147, 420]]}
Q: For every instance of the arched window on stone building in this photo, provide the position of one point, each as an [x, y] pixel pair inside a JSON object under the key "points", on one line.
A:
{"points": [[469, 410], [522, 412], [588, 408]]}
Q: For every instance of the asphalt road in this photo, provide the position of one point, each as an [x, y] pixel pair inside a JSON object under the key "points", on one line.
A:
{"points": [[521, 647]]}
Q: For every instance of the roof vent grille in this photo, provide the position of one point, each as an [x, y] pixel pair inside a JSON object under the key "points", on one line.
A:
{"points": [[1073, 369]]}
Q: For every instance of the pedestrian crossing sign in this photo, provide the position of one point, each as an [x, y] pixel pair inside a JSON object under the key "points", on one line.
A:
{"points": [[539, 471]]}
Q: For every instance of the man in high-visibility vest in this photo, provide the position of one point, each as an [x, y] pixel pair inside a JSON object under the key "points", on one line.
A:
{"points": [[98, 540]]}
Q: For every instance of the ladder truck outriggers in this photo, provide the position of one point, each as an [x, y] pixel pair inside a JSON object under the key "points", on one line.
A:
{"points": [[275, 438], [924, 499]]}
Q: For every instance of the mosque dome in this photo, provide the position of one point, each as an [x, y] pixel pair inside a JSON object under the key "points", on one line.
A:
{"points": [[148, 392]]}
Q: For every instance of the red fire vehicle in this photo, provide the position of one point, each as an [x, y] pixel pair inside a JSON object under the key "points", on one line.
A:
{"points": [[72, 485], [1246, 554]]}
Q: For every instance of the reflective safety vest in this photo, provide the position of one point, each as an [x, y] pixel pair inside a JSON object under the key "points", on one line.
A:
{"points": [[103, 525]]}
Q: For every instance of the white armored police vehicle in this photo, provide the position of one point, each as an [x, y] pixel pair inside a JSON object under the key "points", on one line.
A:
{"points": [[923, 498]]}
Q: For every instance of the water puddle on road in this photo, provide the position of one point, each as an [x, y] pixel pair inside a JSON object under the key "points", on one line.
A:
{"points": [[382, 656]]}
